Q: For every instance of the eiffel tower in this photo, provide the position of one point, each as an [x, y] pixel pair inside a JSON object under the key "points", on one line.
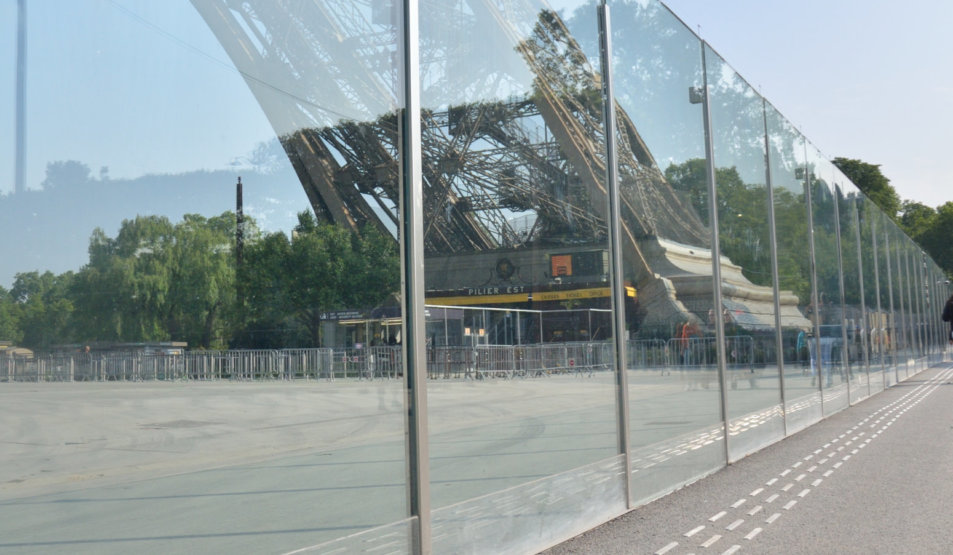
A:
{"points": [[501, 175]]}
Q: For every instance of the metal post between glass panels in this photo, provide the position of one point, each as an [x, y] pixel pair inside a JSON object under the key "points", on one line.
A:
{"points": [[864, 339], [913, 308], [412, 284], [880, 343], [816, 323], [619, 335], [775, 279], [918, 289], [892, 320], [845, 359], [715, 249], [903, 278]]}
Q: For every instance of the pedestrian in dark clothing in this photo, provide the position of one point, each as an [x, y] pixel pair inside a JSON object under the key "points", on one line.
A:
{"points": [[948, 316]]}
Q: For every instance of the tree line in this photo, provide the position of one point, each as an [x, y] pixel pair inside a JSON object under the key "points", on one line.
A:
{"points": [[162, 281]]}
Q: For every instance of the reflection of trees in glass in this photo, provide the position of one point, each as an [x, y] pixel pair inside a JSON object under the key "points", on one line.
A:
{"points": [[868, 178], [826, 255], [323, 267], [849, 246], [36, 308], [743, 217], [159, 281]]}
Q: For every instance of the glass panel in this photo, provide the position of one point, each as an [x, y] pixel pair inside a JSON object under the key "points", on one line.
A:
{"points": [[829, 312], [907, 317], [674, 393], [516, 267], [211, 346], [753, 376], [891, 300], [789, 179], [879, 306], [918, 300], [856, 350]]}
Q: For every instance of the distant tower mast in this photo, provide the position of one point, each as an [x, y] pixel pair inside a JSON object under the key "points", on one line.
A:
{"points": [[20, 170]]}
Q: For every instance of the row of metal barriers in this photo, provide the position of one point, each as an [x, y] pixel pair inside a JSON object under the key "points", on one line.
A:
{"points": [[378, 362]]}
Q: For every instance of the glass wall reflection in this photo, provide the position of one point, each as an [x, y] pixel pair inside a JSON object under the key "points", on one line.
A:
{"points": [[790, 177], [879, 314], [516, 269], [752, 371], [194, 326], [200, 288], [830, 343], [855, 285], [674, 392]]}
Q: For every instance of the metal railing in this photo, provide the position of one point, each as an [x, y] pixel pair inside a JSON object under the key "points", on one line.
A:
{"points": [[379, 362]]}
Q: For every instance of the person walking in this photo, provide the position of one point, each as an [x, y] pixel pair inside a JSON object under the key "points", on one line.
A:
{"points": [[948, 316]]}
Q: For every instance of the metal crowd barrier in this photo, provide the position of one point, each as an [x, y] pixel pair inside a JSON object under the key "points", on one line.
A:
{"points": [[378, 362]]}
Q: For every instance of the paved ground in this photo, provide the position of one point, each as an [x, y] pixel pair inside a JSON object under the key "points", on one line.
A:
{"points": [[875, 478], [229, 467]]}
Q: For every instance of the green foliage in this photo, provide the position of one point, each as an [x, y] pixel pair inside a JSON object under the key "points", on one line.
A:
{"points": [[743, 223], [9, 328], [917, 219], [935, 238], [42, 309], [873, 183], [158, 282], [290, 283]]}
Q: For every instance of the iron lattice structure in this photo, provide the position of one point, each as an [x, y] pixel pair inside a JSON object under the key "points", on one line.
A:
{"points": [[525, 170]]}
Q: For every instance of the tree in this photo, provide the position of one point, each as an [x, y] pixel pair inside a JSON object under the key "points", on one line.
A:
{"points": [[42, 308], [936, 239], [158, 282], [9, 328], [321, 268], [873, 183], [64, 174], [917, 219]]}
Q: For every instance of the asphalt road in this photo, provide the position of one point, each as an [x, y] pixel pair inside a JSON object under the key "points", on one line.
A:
{"points": [[875, 478]]}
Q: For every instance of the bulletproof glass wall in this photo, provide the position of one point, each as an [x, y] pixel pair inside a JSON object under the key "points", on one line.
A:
{"points": [[358, 276], [207, 187]]}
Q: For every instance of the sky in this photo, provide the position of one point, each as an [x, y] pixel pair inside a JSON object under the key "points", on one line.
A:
{"points": [[867, 79], [864, 79]]}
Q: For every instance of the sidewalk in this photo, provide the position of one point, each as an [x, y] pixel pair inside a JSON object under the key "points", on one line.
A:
{"points": [[875, 478]]}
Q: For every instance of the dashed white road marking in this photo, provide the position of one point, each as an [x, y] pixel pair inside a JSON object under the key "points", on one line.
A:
{"points": [[735, 524], [753, 533], [694, 531], [896, 410]]}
